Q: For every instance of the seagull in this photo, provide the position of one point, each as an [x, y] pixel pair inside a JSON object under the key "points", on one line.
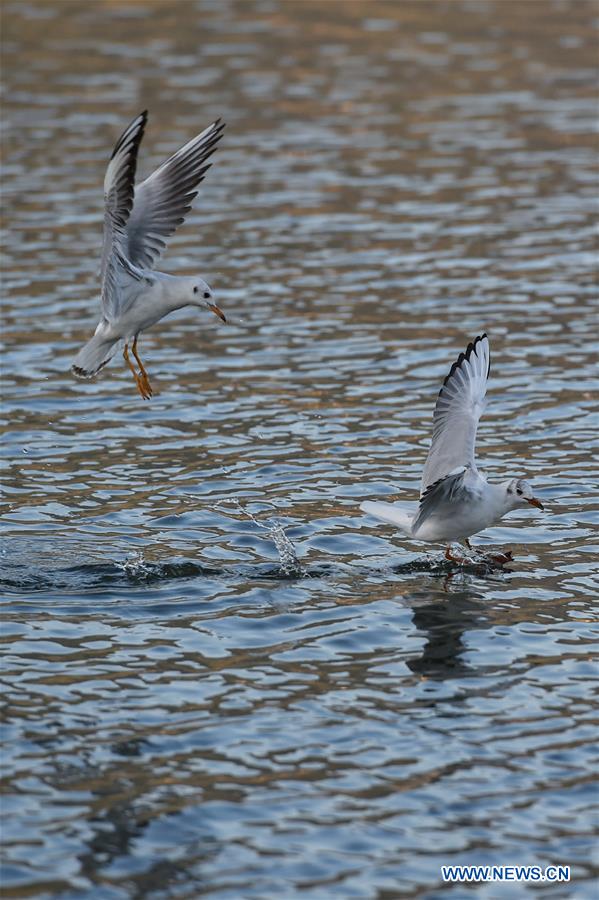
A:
{"points": [[456, 500], [138, 220]]}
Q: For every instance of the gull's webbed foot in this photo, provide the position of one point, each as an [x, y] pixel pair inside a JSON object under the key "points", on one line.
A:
{"points": [[501, 559], [147, 387], [144, 388], [488, 559]]}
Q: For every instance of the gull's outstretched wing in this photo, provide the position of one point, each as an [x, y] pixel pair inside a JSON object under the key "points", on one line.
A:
{"points": [[162, 200], [459, 406], [446, 498], [118, 201]]}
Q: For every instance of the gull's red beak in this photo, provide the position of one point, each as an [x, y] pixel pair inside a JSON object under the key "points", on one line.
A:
{"points": [[534, 502], [217, 311]]}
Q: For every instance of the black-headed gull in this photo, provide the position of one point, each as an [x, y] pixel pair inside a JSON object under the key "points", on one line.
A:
{"points": [[456, 500], [137, 222]]}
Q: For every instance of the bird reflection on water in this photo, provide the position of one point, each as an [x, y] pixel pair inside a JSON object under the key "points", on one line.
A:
{"points": [[443, 623]]}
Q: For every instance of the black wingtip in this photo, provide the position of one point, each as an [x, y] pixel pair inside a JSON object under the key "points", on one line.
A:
{"points": [[139, 133], [476, 341], [144, 121], [470, 349]]}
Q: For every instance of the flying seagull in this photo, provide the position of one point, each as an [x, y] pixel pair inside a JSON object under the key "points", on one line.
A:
{"points": [[138, 220], [456, 500]]}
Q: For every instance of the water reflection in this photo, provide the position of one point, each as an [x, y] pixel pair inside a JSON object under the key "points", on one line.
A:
{"points": [[444, 622], [182, 719]]}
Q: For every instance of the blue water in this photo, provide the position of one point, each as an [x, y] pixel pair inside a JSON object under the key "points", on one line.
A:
{"points": [[184, 714]]}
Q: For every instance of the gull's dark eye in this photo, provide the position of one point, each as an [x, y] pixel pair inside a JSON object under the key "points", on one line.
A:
{"points": [[196, 289], [207, 295], [519, 492]]}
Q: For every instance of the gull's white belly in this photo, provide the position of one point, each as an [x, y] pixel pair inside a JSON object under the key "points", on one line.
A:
{"points": [[464, 521]]}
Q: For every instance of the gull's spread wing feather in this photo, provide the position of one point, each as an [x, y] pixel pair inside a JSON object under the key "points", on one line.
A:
{"points": [[162, 200], [118, 201], [444, 498], [459, 406]]}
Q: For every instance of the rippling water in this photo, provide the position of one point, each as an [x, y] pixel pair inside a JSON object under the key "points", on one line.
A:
{"points": [[184, 715]]}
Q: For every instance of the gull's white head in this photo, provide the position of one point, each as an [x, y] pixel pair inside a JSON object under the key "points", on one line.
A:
{"points": [[201, 295], [519, 493]]}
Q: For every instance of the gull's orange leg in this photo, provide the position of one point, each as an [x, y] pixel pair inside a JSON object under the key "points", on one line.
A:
{"points": [[144, 374], [449, 556], [138, 382]]}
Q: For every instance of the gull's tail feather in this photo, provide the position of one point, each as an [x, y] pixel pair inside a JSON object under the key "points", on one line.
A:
{"points": [[94, 356], [395, 514]]}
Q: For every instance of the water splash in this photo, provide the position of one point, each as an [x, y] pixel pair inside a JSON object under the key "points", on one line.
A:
{"points": [[135, 566], [290, 564]]}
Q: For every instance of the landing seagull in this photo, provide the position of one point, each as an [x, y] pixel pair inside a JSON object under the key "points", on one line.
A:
{"points": [[456, 500], [137, 222]]}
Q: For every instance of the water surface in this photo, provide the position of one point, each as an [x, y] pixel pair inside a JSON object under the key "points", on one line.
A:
{"points": [[182, 717]]}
